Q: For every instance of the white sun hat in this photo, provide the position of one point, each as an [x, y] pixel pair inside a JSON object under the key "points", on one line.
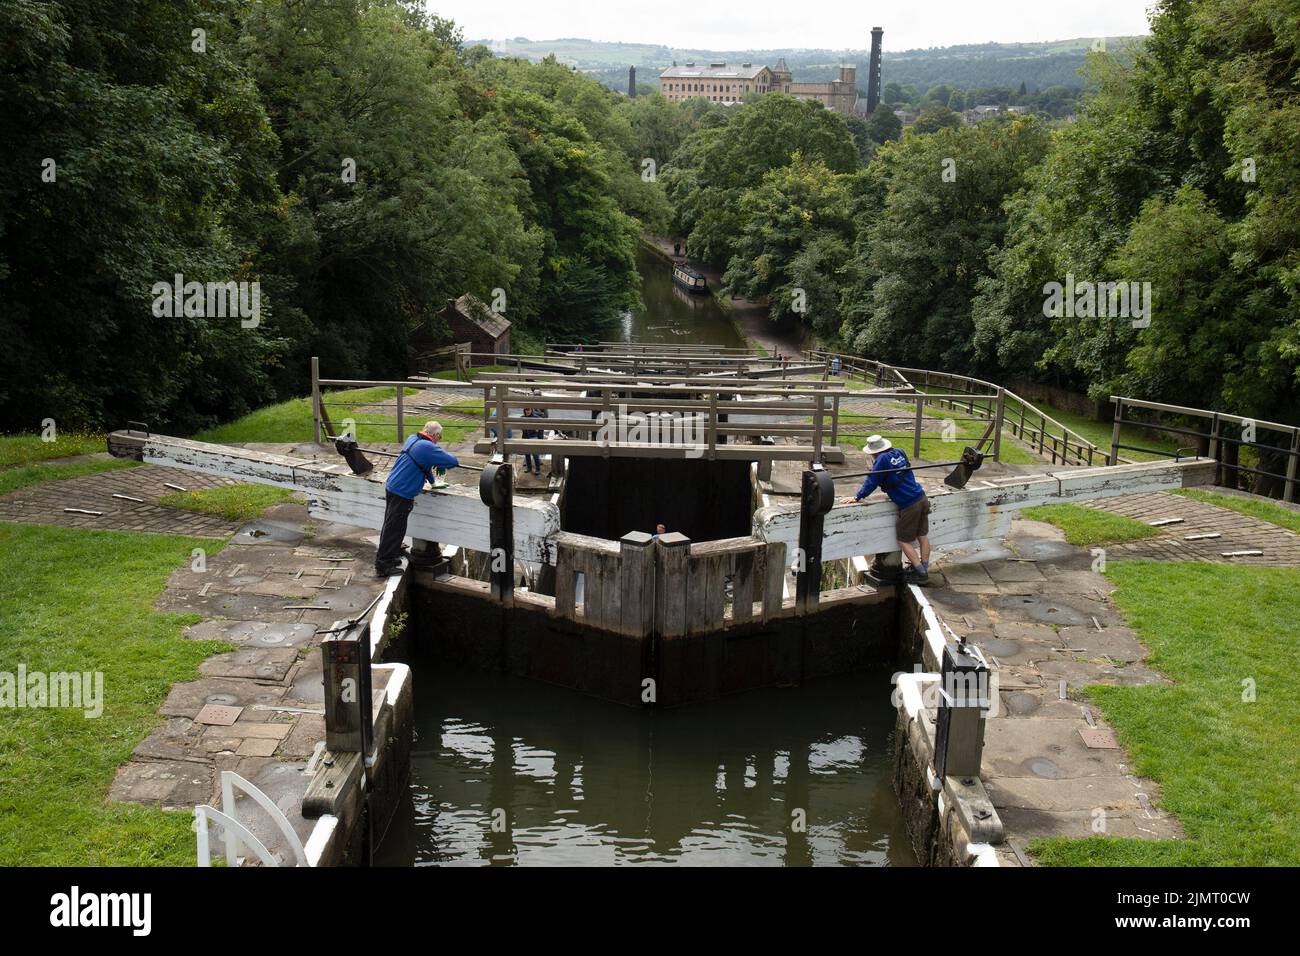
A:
{"points": [[875, 445]]}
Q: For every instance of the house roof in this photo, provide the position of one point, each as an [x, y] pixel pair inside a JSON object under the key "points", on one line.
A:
{"points": [[472, 308], [722, 71]]}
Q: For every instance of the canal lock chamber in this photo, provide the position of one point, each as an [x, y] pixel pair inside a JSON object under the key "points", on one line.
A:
{"points": [[545, 735]]}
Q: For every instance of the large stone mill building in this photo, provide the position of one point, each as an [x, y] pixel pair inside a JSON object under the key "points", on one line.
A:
{"points": [[729, 83]]}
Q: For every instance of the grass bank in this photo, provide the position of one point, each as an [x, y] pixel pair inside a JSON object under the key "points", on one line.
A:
{"points": [[1089, 526], [233, 502], [77, 600], [1221, 740], [291, 421]]}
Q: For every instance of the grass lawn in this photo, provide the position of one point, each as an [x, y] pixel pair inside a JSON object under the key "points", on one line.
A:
{"points": [[234, 502], [854, 430], [1263, 510], [1227, 765], [18, 450], [21, 476], [1088, 526], [290, 421], [78, 600]]}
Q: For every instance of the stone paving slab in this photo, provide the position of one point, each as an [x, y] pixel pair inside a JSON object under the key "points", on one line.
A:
{"points": [[44, 503], [1050, 632], [1238, 532], [251, 594]]}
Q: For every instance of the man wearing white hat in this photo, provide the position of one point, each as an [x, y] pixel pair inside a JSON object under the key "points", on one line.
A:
{"points": [[891, 470]]}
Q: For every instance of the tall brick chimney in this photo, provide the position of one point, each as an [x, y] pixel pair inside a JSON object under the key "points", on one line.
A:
{"points": [[631, 81], [873, 71]]}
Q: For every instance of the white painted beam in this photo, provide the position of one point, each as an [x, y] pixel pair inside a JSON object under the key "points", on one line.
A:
{"points": [[453, 515], [977, 512]]}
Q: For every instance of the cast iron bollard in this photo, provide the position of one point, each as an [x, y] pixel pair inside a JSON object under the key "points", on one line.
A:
{"points": [[817, 499], [963, 701], [496, 489], [349, 718]]}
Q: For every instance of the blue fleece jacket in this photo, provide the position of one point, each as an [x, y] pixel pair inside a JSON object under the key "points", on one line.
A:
{"points": [[415, 466], [902, 486]]}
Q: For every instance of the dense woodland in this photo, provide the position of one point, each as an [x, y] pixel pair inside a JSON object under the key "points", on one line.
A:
{"points": [[473, 172], [1181, 170], [228, 163]]}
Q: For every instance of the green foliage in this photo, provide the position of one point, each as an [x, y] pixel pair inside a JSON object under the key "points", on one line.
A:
{"points": [[232, 502], [716, 165], [1089, 526], [796, 237], [921, 259], [1182, 172], [347, 155]]}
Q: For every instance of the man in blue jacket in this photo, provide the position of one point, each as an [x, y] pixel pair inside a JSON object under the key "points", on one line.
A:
{"points": [[414, 466], [906, 492]]}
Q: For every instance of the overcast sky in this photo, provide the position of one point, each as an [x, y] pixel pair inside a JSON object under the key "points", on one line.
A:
{"points": [[768, 24]]}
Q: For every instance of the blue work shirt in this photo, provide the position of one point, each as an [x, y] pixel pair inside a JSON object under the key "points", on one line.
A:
{"points": [[902, 486], [415, 466]]}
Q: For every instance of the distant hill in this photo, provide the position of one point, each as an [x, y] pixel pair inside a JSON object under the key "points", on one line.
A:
{"points": [[1037, 65]]}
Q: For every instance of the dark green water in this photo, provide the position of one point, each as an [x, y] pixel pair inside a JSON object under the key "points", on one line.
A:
{"points": [[672, 315], [572, 780]]}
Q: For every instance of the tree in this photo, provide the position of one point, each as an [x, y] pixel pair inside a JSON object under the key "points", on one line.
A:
{"points": [[935, 117], [797, 235], [924, 255], [716, 165], [884, 125]]}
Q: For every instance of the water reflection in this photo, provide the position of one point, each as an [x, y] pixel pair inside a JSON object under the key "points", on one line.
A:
{"points": [[571, 780], [672, 315]]}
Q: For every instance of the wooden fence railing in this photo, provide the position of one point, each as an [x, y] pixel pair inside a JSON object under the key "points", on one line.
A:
{"points": [[1000, 406], [1216, 441]]}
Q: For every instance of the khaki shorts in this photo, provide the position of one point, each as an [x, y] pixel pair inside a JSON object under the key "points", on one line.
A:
{"points": [[914, 521]]}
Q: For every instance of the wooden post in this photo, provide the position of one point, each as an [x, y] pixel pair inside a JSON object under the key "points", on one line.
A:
{"points": [[401, 418], [997, 423], [315, 398], [1289, 489], [1216, 448], [345, 657], [1114, 432], [916, 438], [818, 497], [835, 420], [713, 425], [496, 490], [818, 414], [671, 558], [636, 584]]}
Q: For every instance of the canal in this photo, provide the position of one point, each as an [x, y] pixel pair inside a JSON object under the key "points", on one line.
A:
{"points": [[507, 771], [513, 772], [673, 316]]}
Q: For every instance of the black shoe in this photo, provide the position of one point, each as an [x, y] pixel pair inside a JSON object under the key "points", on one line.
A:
{"points": [[918, 577], [387, 571]]}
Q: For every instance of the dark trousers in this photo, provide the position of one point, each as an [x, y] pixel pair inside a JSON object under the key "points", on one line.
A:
{"points": [[396, 512]]}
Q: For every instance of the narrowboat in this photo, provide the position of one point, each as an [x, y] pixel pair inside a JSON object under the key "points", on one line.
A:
{"points": [[690, 280]]}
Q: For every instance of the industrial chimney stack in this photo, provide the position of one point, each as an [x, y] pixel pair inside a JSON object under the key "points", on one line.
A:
{"points": [[873, 71], [631, 82]]}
